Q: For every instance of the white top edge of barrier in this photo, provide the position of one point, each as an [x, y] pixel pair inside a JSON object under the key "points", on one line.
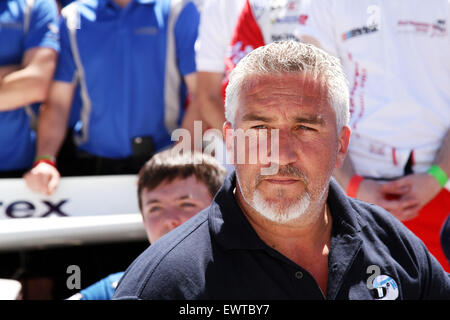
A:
{"points": [[39, 233]]}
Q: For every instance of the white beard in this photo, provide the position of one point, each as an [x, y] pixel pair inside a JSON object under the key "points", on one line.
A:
{"points": [[276, 212]]}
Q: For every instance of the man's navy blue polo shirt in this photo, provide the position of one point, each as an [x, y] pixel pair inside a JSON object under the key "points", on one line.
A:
{"points": [[128, 65], [217, 255], [22, 27]]}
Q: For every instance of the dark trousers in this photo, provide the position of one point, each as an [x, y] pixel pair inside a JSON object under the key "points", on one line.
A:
{"points": [[72, 162], [12, 174], [84, 164]]}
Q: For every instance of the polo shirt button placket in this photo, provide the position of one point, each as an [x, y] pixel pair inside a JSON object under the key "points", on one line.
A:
{"points": [[299, 275], [122, 25]]}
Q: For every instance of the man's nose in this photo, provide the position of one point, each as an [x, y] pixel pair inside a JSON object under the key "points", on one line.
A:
{"points": [[173, 218], [283, 150]]}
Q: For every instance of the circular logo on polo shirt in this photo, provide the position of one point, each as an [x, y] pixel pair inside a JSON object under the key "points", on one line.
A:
{"points": [[384, 288]]}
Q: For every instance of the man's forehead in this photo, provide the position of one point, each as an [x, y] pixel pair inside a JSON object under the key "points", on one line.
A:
{"points": [[175, 183], [304, 84], [300, 90], [178, 187]]}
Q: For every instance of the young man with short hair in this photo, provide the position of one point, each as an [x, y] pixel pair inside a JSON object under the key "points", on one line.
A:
{"points": [[171, 189]]}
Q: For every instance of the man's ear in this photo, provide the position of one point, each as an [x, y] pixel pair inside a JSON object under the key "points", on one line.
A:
{"points": [[343, 140]]}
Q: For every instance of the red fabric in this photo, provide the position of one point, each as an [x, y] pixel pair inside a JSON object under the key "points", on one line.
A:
{"points": [[246, 34], [428, 224], [52, 163], [353, 185]]}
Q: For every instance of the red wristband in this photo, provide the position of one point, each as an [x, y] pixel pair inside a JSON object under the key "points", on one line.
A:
{"points": [[48, 161], [353, 185]]}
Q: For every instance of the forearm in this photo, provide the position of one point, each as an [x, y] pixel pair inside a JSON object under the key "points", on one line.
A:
{"points": [[192, 114], [209, 97], [22, 87], [52, 127], [31, 82], [51, 131], [213, 111], [6, 70]]}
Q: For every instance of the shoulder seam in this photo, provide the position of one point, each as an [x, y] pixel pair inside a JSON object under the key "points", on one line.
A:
{"points": [[174, 245]]}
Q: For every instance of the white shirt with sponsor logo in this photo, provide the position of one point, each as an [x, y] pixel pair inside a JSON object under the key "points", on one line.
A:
{"points": [[396, 55], [217, 22], [261, 22], [278, 19]]}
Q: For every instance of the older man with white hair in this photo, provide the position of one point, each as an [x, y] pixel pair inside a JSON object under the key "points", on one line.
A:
{"points": [[293, 233]]}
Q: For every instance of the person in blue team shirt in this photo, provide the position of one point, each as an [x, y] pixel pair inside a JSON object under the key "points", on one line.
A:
{"points": [[125, 69], [28, 54], [171, 189]]}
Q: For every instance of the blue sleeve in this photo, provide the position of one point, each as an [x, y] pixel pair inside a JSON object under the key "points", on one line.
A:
{"points": [[186, 30], [65, 69], [103, 289], [43, 29]]}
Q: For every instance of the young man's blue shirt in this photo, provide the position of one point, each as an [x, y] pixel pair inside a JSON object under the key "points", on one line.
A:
{"points": [[103, 289]]}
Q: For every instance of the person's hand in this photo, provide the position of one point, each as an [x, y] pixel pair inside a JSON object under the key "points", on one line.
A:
{"points": [[43, 178], [391, 197], [421, 189]]}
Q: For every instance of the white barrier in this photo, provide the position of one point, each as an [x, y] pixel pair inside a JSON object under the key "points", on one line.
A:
{"points": [[75, 196], [83, 210], [9, 289], [40, 233]]}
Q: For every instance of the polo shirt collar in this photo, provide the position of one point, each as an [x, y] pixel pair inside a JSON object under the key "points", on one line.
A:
{"points": [[232, 230], [346, 220], [345, 241]]}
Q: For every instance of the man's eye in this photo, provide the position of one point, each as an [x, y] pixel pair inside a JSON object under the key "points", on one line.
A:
{"points": [[188, 205], [305, 128], [261, 126], [154, 209]]}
